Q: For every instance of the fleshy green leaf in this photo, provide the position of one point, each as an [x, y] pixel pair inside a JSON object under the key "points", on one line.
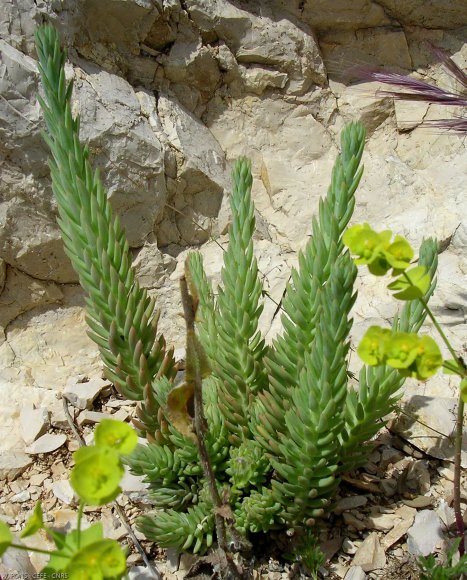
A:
{"points": [[96, 479], [414, 287], [35, 522], [6, 537], [116, 434], [372, 347]]}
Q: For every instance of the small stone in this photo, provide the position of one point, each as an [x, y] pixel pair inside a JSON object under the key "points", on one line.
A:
{"points": [[370, 555], [389, 455], [121, 415], [397, 532], [17, 564], [419, 501], [63, 491], [83, 394], [138, 572], [58, 418], [425, 534], [186, 562], [117, 403], [349, 503], [446, 473], [46, 444], [388, 486], [446, 514], [13, 464], [132, 483], [172, 559], [91, 417], [133, 558], [349, 547], [37, 478], [33, 423], [351, 520], [19, 485], [66, 520], [21, 497], [72, 445], [113, 528], [355, 573], [381, 522], [418, 477], [58, 470]]}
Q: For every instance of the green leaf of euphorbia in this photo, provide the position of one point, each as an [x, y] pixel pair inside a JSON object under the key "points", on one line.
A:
{"points": [[373, 344], [6, 537], [116, 434], [34, 523], [105, 556], [96, 478], [414, 287], [61, 558], [401, 350], [452, 367]]}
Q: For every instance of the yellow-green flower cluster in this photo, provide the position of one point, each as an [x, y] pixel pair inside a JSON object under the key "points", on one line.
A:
{"points": [[377, 251], [413, 355], [98, 468]]}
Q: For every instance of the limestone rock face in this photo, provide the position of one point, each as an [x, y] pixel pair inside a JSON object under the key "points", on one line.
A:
{"points": [[169, 94]]}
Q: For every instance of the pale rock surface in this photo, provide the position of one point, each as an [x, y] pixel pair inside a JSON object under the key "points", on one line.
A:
{"points": [[436, 415], [16, 562], [13, 464], [82, 393], [46, 444], [132, 483], [201, 176], [426, 533], [34, 423], [126, 149], [91, 417], [355, 573], [63, 491], [370, 555], [22, 293]]}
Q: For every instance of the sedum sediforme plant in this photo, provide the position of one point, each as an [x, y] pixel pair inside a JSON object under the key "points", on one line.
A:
{"points": [[280, 422]]}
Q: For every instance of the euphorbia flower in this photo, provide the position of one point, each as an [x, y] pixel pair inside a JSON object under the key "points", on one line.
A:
{"points": [[373, 344], [402, 349]]}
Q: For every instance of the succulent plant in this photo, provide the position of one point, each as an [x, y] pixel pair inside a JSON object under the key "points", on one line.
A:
{"points": [[283, 421]]}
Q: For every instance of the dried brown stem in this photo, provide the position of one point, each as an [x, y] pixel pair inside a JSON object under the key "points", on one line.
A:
{"points": [[193, 374]]}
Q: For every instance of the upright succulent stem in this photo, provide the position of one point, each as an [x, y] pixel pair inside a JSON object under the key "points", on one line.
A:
{"points": [[120, 314]]}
